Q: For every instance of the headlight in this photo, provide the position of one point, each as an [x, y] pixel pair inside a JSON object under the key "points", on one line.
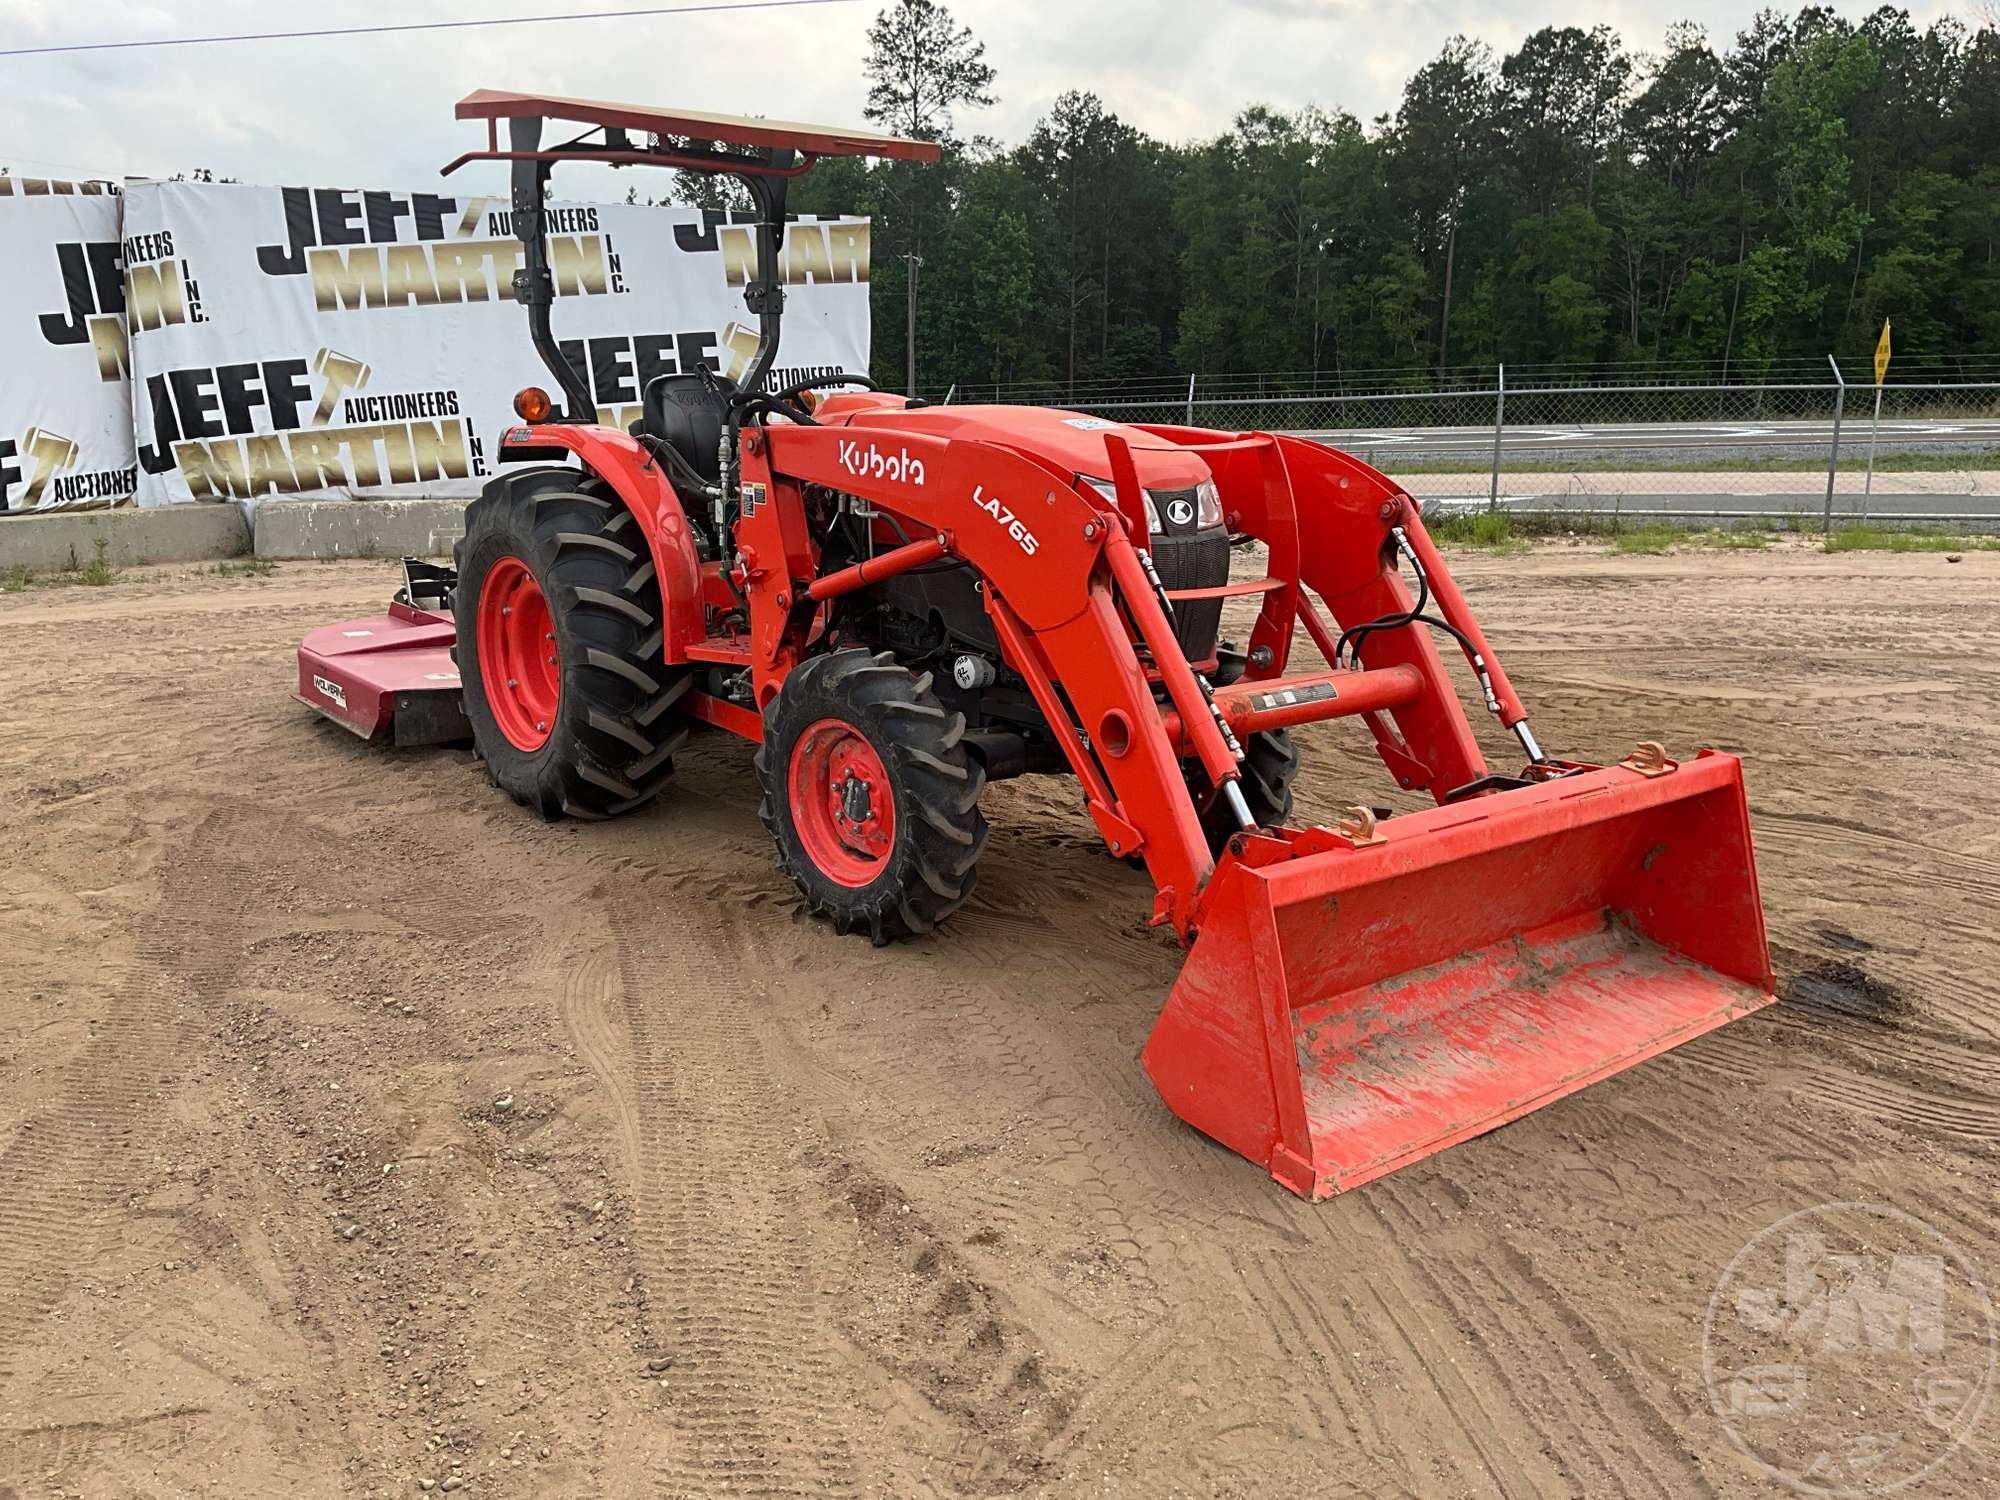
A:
{"points": [[1207, 505], [1109, 491]]}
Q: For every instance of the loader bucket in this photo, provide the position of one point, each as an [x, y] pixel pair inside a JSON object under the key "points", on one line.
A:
{"points": [[1348, 1010]]}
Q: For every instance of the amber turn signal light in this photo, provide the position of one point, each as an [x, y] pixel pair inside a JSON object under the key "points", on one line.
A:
{"points": [[531, 404]]}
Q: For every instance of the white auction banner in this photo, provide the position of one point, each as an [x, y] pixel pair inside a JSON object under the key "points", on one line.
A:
{"points": [[321, 341], [65, 404]]}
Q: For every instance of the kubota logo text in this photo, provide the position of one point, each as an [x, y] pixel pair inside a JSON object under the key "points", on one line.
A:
{"points": [[1007, 519], [872, 463]]}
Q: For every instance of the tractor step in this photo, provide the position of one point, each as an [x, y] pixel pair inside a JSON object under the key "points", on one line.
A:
{"points": [[1359, 999]]}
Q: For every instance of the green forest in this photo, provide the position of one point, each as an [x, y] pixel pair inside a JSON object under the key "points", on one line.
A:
{"points": [[1728, 206]]}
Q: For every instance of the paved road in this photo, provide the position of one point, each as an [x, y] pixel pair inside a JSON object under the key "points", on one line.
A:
{"points": [[1663, 440]]}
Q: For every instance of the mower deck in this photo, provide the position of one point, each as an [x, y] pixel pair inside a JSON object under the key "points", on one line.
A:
{"points": [[386, 677]]}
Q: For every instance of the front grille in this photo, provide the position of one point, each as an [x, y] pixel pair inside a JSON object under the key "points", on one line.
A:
{"points": [[1194, 560]]}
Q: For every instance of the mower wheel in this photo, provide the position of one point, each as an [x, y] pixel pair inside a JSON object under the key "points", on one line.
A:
{"points": [[870, 795], [559, 643], [1270, 761]]}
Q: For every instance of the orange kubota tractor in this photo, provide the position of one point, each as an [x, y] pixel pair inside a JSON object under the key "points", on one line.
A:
{"points": [[900, 602]]}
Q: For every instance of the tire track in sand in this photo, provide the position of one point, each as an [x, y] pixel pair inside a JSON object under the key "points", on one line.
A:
{"points": [[729, 1290], [67, 1168], [1568, 1388]]}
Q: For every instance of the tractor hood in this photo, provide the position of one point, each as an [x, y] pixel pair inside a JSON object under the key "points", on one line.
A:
{"points": [[1070, 440]]}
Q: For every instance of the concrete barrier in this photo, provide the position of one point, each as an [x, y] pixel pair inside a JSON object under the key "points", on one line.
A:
{"points": [[284, 529], [358, 528], [64, 540]]}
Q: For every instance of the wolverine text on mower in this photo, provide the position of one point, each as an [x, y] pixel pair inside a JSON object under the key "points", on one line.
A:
{"points": [[899, 602]]}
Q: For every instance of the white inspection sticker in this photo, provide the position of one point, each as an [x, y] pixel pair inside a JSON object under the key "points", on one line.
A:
{"points": [[352, 634], [1318, 692], [1088, 424]]}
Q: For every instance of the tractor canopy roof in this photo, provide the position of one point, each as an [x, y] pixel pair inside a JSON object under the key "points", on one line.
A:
{"points": [[682, 138]]}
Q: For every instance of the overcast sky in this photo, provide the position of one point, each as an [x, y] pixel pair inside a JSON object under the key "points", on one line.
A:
{"points": [[376, 111]]}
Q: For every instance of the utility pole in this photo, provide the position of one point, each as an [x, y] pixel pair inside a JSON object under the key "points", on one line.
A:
{"points": [[1319, 254], [910, 328]]}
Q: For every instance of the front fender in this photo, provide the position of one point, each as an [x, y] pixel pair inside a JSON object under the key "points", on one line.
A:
{"points": [[617, 459]]}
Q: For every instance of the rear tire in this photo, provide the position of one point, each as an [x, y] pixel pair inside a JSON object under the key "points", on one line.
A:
{"points": [[594, 736], [1270, 761], [870, 795]]}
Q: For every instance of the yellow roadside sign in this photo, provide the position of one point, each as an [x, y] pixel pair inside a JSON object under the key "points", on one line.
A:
{"points": [[1882, 353]]}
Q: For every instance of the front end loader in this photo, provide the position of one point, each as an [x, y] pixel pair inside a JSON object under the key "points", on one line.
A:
{"points": [[899, 602]]}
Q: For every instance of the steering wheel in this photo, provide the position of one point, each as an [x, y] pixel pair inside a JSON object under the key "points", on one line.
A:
{"points": [[817, 381], [786, 402]]}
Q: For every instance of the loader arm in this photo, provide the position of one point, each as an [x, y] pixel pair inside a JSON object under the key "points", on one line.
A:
{"points": [[1329, 523]]}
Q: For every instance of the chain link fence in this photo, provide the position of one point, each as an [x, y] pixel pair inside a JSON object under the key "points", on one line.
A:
{"points": [[1796, 453]]}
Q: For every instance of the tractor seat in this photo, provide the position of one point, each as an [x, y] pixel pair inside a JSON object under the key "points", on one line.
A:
{"points": [[688, 413]]}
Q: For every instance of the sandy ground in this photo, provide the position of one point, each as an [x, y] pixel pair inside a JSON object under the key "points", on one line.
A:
{"points": [[769, 1212]]}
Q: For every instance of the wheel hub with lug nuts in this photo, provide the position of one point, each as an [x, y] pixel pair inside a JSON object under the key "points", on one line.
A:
{"points": [[842, 803], [523, 683]]}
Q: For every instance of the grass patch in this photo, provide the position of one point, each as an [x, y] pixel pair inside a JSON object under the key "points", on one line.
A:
{"points": [[249, 567], [1560, 523], [98, 571], [1512, 530], [1645, 541], [1490, 530], [1881, 539], [1731, 538]]}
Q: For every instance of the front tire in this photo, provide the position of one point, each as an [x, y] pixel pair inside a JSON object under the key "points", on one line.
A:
{"points": [[870, 795], [559, 631]]}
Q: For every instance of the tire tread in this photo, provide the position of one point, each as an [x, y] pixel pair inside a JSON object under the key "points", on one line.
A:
{"points": [[940, 832], [611, 750]]}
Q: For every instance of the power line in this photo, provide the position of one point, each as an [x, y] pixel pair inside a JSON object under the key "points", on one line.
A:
{"points": [[277, 36], [8, 159]]}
